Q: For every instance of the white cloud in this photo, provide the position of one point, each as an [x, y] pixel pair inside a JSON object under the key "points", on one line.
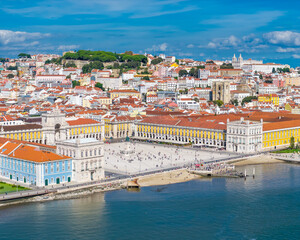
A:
{"points": [[288, 38], [156, 14], [190, 46], [136, 8], [162, 47], [67, 47], [286, 50], [7, 36], [224, 43], [296, 56]]}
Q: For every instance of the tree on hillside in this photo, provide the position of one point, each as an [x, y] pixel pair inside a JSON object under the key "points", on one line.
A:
{"points": [[70, 65], [24, 55], [226, 66], [183, 73], [12, 68], [218, 102], [193, 73], [128, 52], [157, 61], [3, 60], [235, 102], [99, 85], [87, 68], [10, 76], [248, 99], [75, 83]]}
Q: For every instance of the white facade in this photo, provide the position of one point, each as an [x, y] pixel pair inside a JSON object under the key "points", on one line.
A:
{"points": [[49, 80], [265, 68], [87, 154], [244, 136]]}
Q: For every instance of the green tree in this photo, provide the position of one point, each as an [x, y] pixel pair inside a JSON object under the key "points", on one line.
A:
{"points": [[292, 142], [129, 53], [99, 85], [157, 61], [12, 68], [3, 60], [248, 99], [177, 61], [24, 55], [273, 70], [269, 81], [183, 72], [218, 102], [70, 65], [87, 68], [146, 78], [116, 65], [193, 72], [10, 76], [226, 66], [235, 102], [75, 83]]}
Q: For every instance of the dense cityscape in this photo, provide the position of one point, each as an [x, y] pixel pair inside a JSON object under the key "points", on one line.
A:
{"points": [[64, 105], [149, 119]]}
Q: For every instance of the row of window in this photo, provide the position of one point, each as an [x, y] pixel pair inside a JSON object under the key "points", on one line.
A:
{"points": [[58, 166], [281, 134], [173, 131], [17, 165]]}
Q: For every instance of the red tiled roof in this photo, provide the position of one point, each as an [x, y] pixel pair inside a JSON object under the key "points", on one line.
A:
{"points": [[82, 121]]}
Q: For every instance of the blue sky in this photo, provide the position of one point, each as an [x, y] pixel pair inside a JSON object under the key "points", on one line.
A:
{"points": [[210, 29]]}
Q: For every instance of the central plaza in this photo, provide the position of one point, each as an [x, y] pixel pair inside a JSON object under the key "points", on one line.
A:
{"points": [[134, 158]]}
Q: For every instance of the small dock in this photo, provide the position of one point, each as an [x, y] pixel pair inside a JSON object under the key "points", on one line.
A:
{"points": [[216, 170], [133, 185]]}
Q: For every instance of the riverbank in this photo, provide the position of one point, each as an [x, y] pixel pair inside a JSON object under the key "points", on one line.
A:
{"points": [[157, 179], [164, 178], [261, 159]]}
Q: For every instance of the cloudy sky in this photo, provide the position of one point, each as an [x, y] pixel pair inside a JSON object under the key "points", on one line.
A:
{"points": [[199, 29]]}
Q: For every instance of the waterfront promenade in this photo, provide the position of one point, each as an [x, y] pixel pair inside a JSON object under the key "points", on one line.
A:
{"points": [[124, 161], [288, 157]]}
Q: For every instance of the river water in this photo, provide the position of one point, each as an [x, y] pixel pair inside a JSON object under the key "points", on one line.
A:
{"points": [[266, 207]]}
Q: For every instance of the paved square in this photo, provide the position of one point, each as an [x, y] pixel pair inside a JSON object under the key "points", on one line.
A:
{"points": [[134, 158]]}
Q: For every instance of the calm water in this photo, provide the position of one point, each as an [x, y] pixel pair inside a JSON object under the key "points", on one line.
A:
{"points": [[267, 207]]}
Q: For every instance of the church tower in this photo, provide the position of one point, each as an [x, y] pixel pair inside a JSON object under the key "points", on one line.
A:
{"points": [[240, 60], [234, 59]]}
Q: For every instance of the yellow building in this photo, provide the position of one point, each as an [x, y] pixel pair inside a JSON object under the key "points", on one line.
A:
{"points": [[181, 131], [104, 100], [273, 98], [119, 126], [124, 93], [278, 134], [81, 127]]}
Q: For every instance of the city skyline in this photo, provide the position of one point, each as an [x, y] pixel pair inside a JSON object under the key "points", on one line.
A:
{"points": [[196, 29]]}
